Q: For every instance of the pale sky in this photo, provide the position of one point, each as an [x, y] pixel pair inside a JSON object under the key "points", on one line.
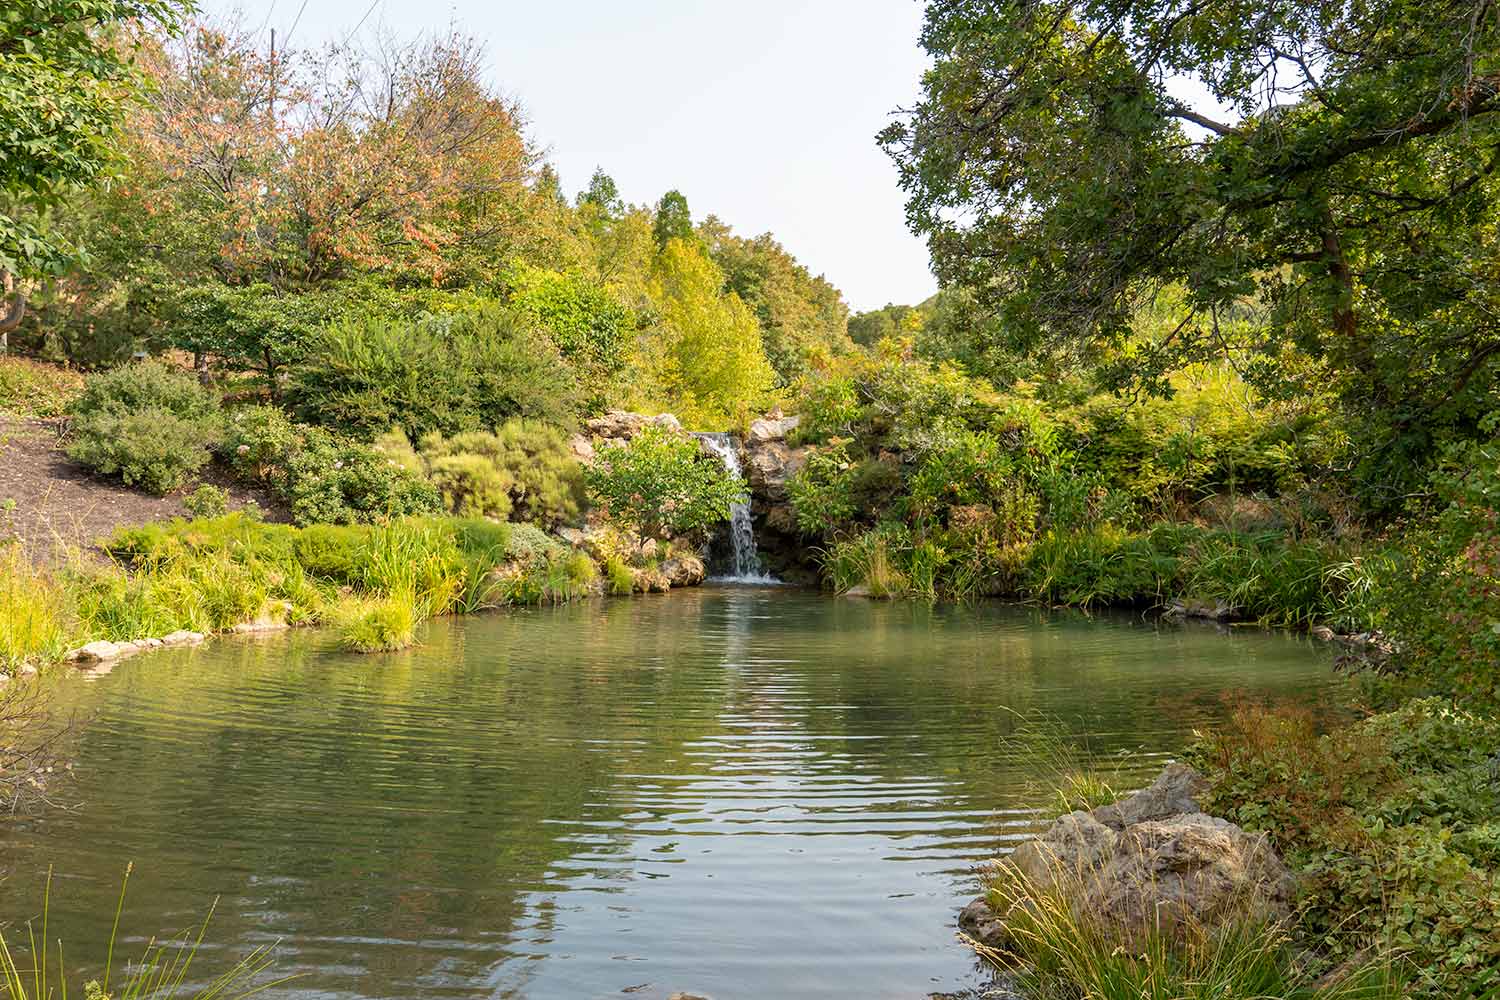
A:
{"points": [[763, 113]]}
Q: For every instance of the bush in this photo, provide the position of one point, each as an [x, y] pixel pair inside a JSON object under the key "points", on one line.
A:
{"points": [[552, 577], [147, 422], [662, 484], [525, 471], [1389, 823], [325, 478], [444, 374], [207, 501]]}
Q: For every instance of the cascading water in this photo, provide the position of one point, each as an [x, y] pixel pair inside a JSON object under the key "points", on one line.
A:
{"points": [[743, 562]]}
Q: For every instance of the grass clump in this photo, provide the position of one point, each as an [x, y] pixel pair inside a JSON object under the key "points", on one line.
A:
{"points": [[1057, 952], [375, 624]]}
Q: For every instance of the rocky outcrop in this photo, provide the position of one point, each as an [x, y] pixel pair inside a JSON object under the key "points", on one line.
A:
{"points": [[1150, 863], [622, 425], [1203, 610], [770, 461]]}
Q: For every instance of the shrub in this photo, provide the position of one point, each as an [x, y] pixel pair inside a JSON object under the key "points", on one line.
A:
{"points": [[662, 484], [152, 448], [1389, 824], [324, 477], [448, 374], [621, 581], [588, 325], [552, 577], [525, 470], [207, 501], [149, 423]]}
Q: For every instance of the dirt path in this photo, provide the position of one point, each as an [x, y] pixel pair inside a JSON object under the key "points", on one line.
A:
{"points": [[55, 507]]}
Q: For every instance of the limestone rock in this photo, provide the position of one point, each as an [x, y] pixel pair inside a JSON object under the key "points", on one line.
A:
{"points": [[98, 652], [684, 571], [617, 424], [581, 447], [1076, 844], [1175, 791], [771, 465], [1151, 862], [1190, 870], [667, 421], [772, 428], [182, 637]]}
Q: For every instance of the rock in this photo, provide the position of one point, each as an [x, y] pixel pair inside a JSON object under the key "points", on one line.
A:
{"points": [[1151, 862], [1192, 870], [684, 571], [1175, 791], [1074, 845], [648, 548], [782, 517], [1214, 611], [97, 652], [771, 465], [772, 429], [980, 921], [581, 447], [667, 421], [687, 996], [650, 581], [858, 590], [617, 425], [182, 638], [1321, 632], [259, 627]]}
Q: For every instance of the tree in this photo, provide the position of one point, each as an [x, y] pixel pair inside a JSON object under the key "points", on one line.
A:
{"points": [[803, 318], [1342, 207], [603, 194], [63, 82], [673, 220], [705, 355]]}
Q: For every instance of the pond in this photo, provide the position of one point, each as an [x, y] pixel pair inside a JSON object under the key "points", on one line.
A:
{"points": [[735, 792]]}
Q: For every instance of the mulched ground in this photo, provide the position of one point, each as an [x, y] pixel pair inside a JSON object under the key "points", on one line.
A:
{"points": [[60, 507]]}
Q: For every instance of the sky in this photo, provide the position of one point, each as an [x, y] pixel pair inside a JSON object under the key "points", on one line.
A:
{"points": [[763, 114]]}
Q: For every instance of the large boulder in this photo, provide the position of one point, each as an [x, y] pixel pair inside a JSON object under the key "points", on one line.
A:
{"points": [[1174, 792], [1150, 863], [772, 428]]}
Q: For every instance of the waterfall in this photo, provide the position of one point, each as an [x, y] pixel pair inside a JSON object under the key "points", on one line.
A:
{"points": [[743, 565]]}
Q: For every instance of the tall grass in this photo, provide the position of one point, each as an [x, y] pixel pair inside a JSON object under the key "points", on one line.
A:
{"points": [[161, 972], [1057, 951], [376, 624], [37, 617]]}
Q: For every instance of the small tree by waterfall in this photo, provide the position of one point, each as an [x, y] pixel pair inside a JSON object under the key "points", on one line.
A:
{"points": [[663, 486]]}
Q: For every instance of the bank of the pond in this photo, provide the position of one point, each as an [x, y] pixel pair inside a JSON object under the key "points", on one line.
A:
{"points": [[175, 582]]}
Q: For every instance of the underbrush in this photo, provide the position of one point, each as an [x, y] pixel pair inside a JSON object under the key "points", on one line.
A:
{"points": [[1391, 825], [36, 618], [34, 389]]}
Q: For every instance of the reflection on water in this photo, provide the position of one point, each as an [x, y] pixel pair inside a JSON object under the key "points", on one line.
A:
{"points": [[737, 792]]}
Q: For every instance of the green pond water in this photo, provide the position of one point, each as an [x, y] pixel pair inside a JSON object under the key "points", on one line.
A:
{"points": [[734, 792]]}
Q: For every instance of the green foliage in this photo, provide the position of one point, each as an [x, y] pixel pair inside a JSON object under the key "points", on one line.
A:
{"points": [[151, 424], [590, 327], [704, 358], [1336, 240], [1439, 594], [620, 580], [1389, 823], [207, 501], [324, 477], [673, 219], [63, 79], [525, 471], [663, 485], [444, 374]]}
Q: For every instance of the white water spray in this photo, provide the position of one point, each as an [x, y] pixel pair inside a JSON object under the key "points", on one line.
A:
{"points": [[744, 566]]}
